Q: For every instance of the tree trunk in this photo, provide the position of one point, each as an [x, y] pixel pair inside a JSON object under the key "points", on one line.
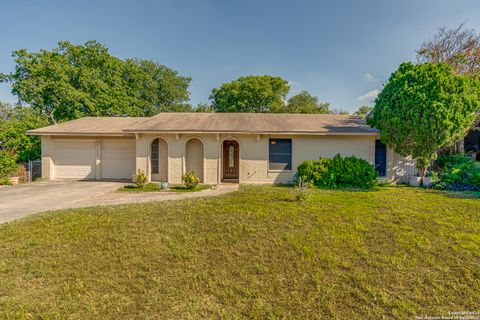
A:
{"points": [[422, 166], [51, 117]]}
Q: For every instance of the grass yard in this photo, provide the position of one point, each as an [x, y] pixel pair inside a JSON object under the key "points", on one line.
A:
{"points": [[392, 253]]}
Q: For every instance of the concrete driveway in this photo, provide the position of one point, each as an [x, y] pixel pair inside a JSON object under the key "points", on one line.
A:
{"points": [[23, 200]]}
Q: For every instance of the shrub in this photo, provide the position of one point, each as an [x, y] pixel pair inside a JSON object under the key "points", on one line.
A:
{"points": [[190, 180], [140, 179], [448, 161], [456, 172], [22, 173], [338, 171], [8, 164], [5, 182]]}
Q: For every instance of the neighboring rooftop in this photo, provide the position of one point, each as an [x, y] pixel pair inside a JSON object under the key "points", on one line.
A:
{"points": [[214, 123]]}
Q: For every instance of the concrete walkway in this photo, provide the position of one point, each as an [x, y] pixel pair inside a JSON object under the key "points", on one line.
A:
{"points": [[23, 200]]}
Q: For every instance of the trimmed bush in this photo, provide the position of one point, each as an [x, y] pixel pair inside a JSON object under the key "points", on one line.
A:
{"points": [[338, 172], [456, 172], [190, 180]]}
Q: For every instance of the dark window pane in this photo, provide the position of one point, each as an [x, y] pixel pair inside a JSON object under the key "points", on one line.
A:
{"points": [[280, 154], [380, 158], [154, 157]]}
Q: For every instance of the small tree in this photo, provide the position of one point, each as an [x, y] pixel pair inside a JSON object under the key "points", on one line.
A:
{"points": [[304, 102], [425, 107]]}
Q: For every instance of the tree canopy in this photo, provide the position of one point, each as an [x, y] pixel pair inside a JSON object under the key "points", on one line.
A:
{"points": [[362, 111], [425, 107], [72, 81], [304, 102], [251, 94], [204, 107]]}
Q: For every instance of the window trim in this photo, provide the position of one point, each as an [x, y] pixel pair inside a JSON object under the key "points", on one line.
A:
{"points": [[291, 156]]}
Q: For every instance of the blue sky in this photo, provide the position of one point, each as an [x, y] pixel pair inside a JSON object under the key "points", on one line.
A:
{"points": [[340, 51]]}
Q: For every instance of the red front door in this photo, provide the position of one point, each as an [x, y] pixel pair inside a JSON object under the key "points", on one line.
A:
{"points": [[231, 159]]}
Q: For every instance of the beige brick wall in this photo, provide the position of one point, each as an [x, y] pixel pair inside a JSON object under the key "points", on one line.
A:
{"points": [[176, 148], [253, 154]]}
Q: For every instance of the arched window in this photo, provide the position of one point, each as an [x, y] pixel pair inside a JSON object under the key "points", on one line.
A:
{"points": [[154, 157]]}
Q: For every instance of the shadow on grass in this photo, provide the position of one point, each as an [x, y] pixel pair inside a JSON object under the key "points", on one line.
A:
{"points": [[455, 194], [339, 188], [153, 187], [199, 187]]}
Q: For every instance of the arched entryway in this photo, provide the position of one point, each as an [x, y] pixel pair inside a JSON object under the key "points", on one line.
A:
{"points": [[230, 160], [194, 157], [159, 160]]}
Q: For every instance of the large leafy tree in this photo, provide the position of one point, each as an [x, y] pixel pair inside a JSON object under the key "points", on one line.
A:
{"points": [[251, 94], [72, 81], [425, 107], [304, 102], [14, 121]]}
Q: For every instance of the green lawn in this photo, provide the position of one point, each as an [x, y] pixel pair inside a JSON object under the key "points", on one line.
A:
{"points": [[394, 253]]}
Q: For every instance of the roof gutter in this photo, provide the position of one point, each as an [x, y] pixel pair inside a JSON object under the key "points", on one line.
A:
{"points": [[109, 134], [134, 132], [326, 133]]}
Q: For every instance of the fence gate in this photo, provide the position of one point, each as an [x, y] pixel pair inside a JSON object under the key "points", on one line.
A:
{"points": [[34, 170]]}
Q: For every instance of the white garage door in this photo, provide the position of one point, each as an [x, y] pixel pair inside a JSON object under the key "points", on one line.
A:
{"points": [[118, 158], [74, 159]]}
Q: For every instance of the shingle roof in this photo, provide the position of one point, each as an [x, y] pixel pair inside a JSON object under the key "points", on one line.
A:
{"points": [[215, 123]]}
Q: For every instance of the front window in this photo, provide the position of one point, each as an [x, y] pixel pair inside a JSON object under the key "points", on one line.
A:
{"points": [[280, 154]]}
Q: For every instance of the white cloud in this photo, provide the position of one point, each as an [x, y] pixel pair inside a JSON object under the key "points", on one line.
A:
{"points": [[369, 77], [370, 95]]}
